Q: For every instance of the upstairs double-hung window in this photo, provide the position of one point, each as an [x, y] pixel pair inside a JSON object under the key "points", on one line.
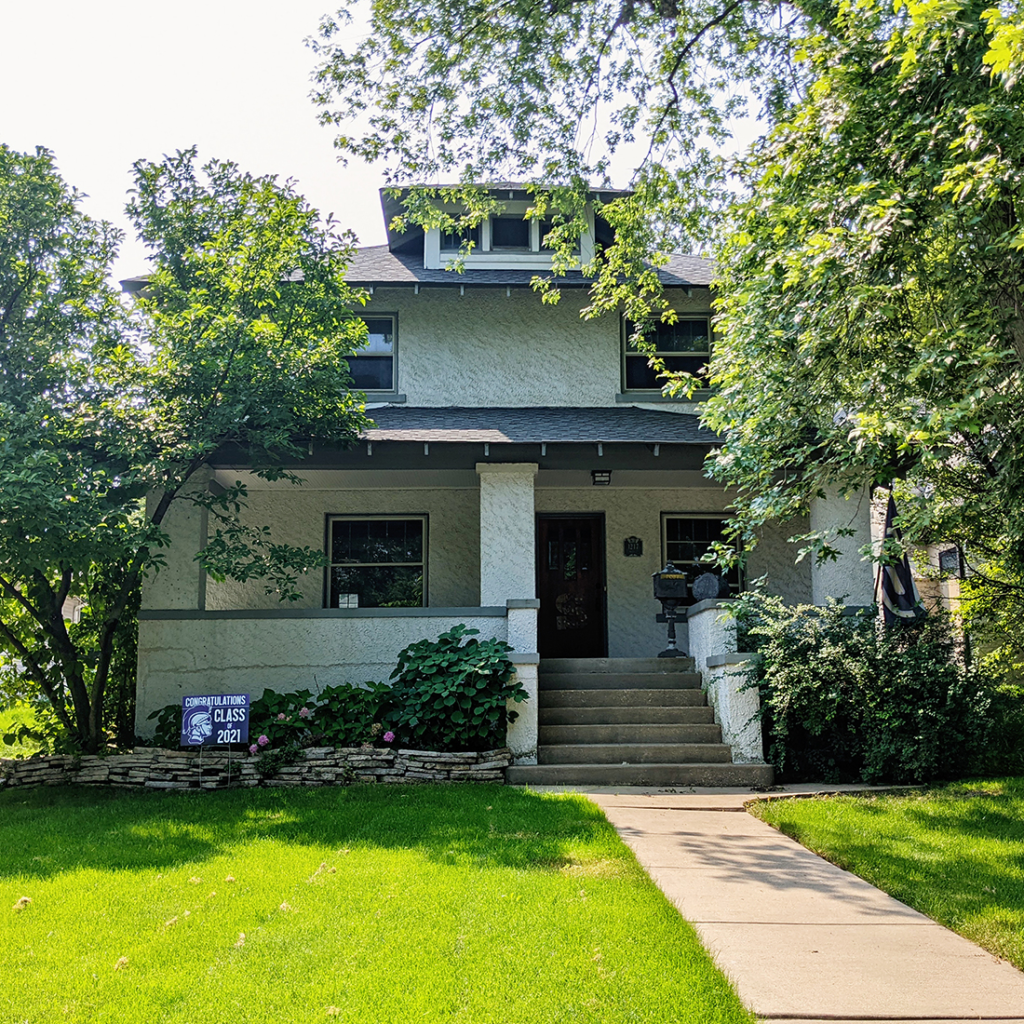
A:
{"points": [[682, 346], [373, 368]]}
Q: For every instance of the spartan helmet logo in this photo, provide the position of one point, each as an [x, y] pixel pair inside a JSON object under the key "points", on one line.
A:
{"points": [[197, 725]]}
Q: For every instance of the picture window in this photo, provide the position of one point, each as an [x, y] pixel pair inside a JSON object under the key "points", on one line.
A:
{"points": [[377, 561]]}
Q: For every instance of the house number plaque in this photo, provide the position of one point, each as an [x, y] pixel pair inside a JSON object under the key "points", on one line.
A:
{"points": [[632, 547]]}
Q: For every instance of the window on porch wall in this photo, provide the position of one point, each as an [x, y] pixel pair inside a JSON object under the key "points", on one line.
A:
{"points": [[685, 541], [377, 562]]}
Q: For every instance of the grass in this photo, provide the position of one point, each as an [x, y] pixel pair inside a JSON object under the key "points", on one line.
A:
{"points": [[369, 904], [955, 853]]}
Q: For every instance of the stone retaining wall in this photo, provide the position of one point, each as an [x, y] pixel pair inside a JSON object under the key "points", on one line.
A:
{"points": [[318, 766]]}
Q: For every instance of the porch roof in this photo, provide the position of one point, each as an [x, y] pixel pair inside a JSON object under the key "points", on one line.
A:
{"points": [[537, 425]]}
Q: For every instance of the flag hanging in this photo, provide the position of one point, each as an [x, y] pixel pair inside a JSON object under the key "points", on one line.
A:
{"points": [[895, 587]]}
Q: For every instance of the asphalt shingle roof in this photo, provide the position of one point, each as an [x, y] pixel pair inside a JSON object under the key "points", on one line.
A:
{"points": [[377, 265], [537, 425]]}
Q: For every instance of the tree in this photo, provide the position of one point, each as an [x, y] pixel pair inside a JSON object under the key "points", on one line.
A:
{"points": [[239, 338], [868, 244]]}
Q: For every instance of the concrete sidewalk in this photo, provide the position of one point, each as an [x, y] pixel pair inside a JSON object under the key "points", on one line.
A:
{"points": [[800, 938]]}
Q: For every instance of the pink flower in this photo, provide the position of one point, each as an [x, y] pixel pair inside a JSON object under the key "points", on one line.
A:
{"points": [[304, 712], [388, 737], [264, 741], [254, 749], [281, 717]]}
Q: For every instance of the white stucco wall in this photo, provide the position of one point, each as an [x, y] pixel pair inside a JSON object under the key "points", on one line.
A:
{"points": [[297, 515], [178, 657], [489, 348], [851, 577]]}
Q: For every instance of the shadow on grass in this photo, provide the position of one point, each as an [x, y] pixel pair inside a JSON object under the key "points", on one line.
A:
{"points": [[44, 832]]}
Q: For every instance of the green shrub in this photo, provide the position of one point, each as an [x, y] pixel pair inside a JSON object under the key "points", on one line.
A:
{"points": [[843, 699], [347, 716], [450, 695]]}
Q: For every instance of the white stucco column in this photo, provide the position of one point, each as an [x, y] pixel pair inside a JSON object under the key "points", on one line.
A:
{"points": [[851, 577], [507, 532]]}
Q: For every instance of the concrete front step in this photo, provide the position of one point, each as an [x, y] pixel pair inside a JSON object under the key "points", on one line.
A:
{"points": [[618, 680], [617, 665], [607, 733], [635, 753], [663, 775], [622, 698], [645, 714]]}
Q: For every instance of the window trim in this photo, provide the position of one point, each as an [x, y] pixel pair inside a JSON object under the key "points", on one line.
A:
{"points": [[719, 517], [625, 354], [393, 317], [332, 518]]}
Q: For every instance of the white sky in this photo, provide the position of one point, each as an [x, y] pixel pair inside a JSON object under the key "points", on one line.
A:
{"points": [[103, 83]]}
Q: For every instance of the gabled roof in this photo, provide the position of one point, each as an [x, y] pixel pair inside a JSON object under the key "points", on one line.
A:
{"points": [[537, 425], [376, 265]]}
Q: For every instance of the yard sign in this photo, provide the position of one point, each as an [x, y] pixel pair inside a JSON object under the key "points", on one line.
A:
{"points": [[214, 718]]}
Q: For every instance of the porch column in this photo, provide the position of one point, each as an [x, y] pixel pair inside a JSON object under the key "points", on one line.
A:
{"points": [[851, 577], [507, 530]]}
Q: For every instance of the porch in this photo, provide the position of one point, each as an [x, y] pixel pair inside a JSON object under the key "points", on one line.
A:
{"points": [[541, 527]]}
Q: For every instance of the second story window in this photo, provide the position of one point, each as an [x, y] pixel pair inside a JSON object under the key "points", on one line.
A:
{"points": [[683, 346], [373, 368]]}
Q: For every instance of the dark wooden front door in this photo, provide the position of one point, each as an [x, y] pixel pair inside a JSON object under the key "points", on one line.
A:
{"points": [[570, 585]]}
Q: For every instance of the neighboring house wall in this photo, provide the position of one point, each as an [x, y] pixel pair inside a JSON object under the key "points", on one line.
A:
{"points": [[492, 348]]}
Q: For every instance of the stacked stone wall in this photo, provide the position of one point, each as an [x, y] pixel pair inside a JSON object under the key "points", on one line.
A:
{"points": [[151, 768]]}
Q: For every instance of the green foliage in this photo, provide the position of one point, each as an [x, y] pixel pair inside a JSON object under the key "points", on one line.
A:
{"points": [[844, 699], [238, 341], [450, 695], [871, 286], [347, 716]]}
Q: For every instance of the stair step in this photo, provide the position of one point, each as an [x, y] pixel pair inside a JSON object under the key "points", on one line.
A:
{"points": [[645, 714], [662, 775], [645, 733], [618, 680], [635, 753], [579, 698], [619, 665]]}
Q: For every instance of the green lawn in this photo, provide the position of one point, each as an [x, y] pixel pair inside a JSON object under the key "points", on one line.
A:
{"points": [[368, 904], [956, 853]]}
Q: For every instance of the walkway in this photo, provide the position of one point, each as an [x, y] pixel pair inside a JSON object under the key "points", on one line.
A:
{"points": [[800, 938]]}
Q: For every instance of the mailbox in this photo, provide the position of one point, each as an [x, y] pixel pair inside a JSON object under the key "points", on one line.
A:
{"points": [[670, 590], [670, 584]]}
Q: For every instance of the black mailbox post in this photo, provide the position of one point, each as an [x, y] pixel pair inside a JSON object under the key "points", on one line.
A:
{"points": [[670, 590]]}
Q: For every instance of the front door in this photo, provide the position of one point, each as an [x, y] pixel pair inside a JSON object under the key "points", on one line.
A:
{"points": [[570, 585]]}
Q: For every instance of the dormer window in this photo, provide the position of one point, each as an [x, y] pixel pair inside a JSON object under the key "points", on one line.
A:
{"points": [[510, 233], [452, 241], [505, 241]]}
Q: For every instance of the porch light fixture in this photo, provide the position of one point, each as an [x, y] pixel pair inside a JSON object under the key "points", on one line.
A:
{"points": [[601, 477]]}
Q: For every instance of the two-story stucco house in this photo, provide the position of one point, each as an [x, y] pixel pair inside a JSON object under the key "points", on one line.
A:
{"points": [[526, 477]]}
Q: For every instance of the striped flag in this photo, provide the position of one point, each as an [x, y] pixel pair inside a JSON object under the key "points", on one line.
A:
{"points": [[895, 589]]}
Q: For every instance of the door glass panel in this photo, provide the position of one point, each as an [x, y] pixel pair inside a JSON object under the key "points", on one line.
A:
{"points": [[569, 560], [552, 556]]}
